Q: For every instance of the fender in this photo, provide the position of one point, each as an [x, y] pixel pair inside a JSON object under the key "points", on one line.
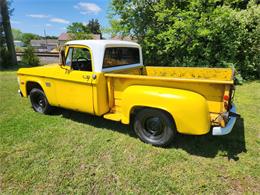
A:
{"points": [[188, 109], [45, 83]]}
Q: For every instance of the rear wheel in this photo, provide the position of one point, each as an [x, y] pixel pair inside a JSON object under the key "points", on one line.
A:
{"points": [[154, 127], [39, 101]]}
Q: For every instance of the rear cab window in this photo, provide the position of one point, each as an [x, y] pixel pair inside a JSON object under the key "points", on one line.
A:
{"points": [[120, 56]]}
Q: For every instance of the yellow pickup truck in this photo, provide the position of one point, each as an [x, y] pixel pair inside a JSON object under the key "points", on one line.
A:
{"points": [[107, 78]]}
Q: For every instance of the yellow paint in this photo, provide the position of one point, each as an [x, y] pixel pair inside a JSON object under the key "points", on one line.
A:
{"points": [[192, 96], [189, 109], [214, 74]]}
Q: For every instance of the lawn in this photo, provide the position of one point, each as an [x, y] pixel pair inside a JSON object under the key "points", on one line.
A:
{"points": [[75, 153]]}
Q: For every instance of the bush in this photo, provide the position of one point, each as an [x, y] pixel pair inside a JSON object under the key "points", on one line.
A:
{"points": [[29, 58], [195, 33], [19, 49]]}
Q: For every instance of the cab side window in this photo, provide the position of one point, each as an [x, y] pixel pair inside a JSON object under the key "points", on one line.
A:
{"points": [[79, 59]]}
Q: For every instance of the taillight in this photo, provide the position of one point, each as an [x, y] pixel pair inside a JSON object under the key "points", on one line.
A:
{"points": [[226, 101], [226, 97]]}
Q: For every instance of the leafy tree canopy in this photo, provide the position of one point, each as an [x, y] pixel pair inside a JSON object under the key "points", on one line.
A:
{"points": [[212, 33], [77, 27], [7, 50], [78, 30], [27, 37], [50, 37], [94, 26], [17, 34]]}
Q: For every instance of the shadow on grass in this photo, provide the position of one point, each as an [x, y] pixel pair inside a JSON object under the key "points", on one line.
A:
{"points": [[15, 67], [12, 67], [207, 145], [95, 121]]}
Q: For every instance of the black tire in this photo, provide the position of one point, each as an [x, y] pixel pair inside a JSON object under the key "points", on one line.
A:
{"points": [[39, 101], [154, 127]]}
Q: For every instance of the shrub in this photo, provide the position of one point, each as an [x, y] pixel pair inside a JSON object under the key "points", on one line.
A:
{"points": [[195, 33], [29, 58], [19, 49]]}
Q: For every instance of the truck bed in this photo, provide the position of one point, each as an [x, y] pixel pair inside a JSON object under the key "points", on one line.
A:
{"points": [[211, 83]]}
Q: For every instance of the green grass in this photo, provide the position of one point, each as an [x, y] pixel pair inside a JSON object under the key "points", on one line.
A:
{"points": [[75, 153]]}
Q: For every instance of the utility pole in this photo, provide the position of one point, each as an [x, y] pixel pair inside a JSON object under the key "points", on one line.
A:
{"points": [[45, 40], [8, 30]]}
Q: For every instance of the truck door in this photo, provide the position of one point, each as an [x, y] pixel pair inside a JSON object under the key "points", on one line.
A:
{"points": [[74, 83]]}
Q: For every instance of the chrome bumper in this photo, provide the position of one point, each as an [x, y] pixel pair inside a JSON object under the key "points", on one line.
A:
{"points": [[229, 125], [20, 93]]}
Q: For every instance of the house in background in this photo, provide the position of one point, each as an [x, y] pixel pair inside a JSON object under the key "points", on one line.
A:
{"points": [[64, 37], [44, 45], [123, 38], [18, 43], [97, 36]]}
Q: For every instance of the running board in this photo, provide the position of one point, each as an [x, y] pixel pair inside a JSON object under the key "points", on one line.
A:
{"points": [[113, 116]]}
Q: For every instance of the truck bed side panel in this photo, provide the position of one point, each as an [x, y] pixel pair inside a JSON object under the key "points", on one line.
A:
{"points": [[189, 109], [212, 92], [219, 74]]}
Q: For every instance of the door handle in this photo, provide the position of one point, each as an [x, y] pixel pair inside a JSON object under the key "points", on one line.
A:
{"points": [[86, 76]]}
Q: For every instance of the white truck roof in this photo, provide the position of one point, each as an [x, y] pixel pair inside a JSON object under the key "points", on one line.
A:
{"points": [[98, 47]]}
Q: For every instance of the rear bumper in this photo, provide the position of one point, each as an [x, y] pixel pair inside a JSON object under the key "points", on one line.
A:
{"points": [[229, 125], [20, 93]]}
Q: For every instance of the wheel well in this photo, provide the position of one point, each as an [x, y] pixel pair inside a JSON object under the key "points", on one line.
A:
{"points": [[32, 85], [136, 109]]}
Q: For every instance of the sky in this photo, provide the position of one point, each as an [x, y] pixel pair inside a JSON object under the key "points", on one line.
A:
{"points": [[54, 16]]}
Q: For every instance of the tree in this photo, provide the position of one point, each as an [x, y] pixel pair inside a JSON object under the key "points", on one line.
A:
{"points": [[94, 26], [27, 37], [193, 33], [78, 30], [6, 26], [2, 43], [17, 34], [50, 37], [116, 28]]}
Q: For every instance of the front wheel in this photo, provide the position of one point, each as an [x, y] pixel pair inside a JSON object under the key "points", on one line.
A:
{"points": [[154, 127], [39, 101]]}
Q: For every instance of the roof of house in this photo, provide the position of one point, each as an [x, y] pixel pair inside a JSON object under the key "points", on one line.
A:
{"points": [[96, 36], [43, 42], [66, 36]]}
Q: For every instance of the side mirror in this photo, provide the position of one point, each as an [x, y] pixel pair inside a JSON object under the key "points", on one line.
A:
{"points": [[62, 56]]}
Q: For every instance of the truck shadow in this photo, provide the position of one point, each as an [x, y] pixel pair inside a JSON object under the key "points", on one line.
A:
{"points": [[95, 121], [207, 145]]}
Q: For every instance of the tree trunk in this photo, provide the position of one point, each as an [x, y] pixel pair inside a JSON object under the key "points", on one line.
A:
{"points": [[8, 31]]}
